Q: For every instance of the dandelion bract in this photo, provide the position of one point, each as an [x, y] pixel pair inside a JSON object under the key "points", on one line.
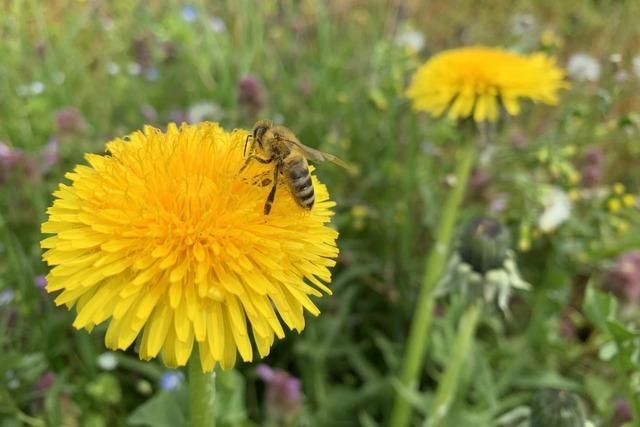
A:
{"points": [[473, 81], [167, 241]]}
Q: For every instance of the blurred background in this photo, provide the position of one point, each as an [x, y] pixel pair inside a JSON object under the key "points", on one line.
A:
{"points": [[564, 180]]}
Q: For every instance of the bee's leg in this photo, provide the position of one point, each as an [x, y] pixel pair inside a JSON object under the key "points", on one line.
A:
{"points": [[272, 193], [257, 159]]}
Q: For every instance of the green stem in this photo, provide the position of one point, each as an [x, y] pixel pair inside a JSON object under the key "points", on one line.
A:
{"points": [[202, 392], [628, 388], [423, 314], [449, 382]]}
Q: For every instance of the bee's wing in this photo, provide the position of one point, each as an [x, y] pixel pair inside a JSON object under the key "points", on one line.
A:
{"points": [[319, 156]]}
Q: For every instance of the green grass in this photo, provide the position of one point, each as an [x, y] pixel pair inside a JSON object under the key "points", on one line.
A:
{"points": [[333, 73]]}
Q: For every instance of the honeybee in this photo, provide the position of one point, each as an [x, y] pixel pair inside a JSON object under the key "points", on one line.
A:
{"points": [[278, 145]]}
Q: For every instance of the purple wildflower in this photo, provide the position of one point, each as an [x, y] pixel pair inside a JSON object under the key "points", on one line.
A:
{"points": [[69, 120], [283, 396], [624, 278], [251, 94]]}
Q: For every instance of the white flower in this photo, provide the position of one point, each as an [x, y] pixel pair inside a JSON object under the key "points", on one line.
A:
{"points": [[134, 68], [557, 209], [217, 25], [411, 40], [522, 23], [202, 111], [582, 66], [107, 361], [113, 68]]}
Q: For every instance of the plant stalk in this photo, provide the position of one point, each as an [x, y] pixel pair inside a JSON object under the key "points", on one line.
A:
{"points": [[448, 384], [418, 334], [202, 393]]}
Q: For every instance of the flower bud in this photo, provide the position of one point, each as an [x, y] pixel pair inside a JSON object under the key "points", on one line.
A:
{"points": [[556, 408], [484, 244], [251, 94]]}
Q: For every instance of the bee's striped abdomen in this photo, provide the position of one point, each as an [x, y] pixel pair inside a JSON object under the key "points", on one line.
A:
{"points": [[300, 183]]}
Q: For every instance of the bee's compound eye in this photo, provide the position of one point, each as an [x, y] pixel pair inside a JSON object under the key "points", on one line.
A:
{"points": [[260, 131]]}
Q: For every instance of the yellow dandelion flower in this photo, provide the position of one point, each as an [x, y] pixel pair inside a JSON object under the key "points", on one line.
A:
{"points": [[166, 240], [472, 81], [619, 188], [614, 205], [628, 200]]}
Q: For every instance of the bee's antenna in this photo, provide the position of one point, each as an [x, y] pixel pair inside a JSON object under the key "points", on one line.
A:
{"points": [[244, 150]]}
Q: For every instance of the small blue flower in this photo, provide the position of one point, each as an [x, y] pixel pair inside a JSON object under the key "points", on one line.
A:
{"points": [[151, 74], [171, 380], [189, 13], [7, 296]]}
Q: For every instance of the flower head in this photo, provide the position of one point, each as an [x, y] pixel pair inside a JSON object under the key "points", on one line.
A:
{"points": [[583, 67], [483, 265], [560, 408], [471, 81], [557, 208], [166, 239]]}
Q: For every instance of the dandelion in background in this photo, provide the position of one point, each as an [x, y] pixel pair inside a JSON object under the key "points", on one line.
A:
{"points": [[474, 81], [167, 241], [583, 67], [466, 82]]}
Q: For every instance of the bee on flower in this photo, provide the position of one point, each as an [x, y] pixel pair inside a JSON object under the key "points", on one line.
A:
{"points": [[166, 241]]}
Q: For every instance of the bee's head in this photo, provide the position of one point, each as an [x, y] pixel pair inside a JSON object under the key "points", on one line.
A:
{"points": [[259, 129]]}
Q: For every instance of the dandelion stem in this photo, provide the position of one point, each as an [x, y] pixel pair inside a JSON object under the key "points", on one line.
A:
{"points": [[449, 382], [423, 314], [202, 392]]}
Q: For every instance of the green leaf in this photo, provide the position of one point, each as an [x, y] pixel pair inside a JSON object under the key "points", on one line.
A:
{"points": [[230, 409], [165, 409], [620, 332], [598, 307]]}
